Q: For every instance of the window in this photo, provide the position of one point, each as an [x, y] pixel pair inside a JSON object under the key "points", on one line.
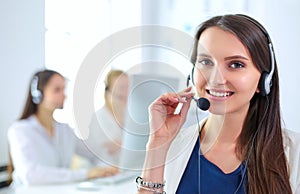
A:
{"points": [[73, 28]]}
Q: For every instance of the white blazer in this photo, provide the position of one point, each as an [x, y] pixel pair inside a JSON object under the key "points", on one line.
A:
{"points": [[183, 145]]}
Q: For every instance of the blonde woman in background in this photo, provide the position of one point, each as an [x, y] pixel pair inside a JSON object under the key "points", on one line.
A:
{"points": [[107, 123]]}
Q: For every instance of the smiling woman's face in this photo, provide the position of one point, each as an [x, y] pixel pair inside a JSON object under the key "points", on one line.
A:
{"points": [[225, 72]]}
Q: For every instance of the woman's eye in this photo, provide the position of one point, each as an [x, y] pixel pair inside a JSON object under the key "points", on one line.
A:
{"points": [[237, 65], [205, 62]]}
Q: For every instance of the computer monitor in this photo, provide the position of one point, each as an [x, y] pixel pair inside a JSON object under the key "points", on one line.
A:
{"points": [[144, 89]]}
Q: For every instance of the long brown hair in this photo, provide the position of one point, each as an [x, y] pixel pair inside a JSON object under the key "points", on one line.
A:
{"points": [[30, 107], [43, 78], [267, 171]]}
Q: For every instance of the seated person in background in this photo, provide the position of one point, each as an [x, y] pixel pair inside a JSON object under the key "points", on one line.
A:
{"points": [[108, 122], [41, 148]]}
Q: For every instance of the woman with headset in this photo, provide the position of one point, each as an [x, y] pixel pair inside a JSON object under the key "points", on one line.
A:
{"points": [[41, 149], [241, 147]]}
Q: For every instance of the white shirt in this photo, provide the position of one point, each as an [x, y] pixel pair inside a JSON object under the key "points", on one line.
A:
{"points": [[39, 158], [104, 132]]}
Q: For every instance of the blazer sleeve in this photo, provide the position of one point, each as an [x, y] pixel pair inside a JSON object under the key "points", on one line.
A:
{"points": [[291, 141]]}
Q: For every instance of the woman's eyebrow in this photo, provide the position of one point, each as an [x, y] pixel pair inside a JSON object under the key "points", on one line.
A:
{"points": [[204, 55], [236, 57]]}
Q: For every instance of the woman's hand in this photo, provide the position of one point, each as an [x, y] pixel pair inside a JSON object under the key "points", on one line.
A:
{"points": [[102, 172], [164, 123], [113, 147]]}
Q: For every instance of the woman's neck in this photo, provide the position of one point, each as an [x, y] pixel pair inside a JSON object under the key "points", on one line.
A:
{"points": [[118, 114], [45, 117], [222, 129]]}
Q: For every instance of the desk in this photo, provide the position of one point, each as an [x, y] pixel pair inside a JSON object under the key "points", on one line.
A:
{"points": [[127, 187]]}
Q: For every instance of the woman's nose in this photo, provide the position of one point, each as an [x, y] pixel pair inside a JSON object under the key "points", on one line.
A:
{"points": [[217, 76]]}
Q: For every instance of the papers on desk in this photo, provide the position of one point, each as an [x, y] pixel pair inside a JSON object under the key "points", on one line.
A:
{"points": [[88, 186], [96, 184], [118, 178]]}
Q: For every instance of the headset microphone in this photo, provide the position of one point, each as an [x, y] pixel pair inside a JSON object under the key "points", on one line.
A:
{"points": [[202, 103]]}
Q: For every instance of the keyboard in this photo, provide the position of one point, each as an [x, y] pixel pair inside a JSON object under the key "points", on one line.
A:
{"points": [[88, 186], [117, 178]]}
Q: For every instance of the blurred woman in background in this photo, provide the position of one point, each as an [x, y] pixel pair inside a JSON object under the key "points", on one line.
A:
{"points": [[41, 148], [106, 126]]}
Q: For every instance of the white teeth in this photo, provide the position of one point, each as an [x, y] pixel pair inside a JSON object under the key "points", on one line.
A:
{"points": [[219, 94]]}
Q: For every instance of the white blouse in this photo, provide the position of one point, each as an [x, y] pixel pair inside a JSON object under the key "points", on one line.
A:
{"points": [[39, 158], [104, 131]]}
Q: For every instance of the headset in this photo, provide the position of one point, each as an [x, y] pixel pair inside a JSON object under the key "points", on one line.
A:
{"points": [[36, 94], [266, 77]]}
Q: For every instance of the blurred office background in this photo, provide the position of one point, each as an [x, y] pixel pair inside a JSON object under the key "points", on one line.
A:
{"points": [[58, 34]]}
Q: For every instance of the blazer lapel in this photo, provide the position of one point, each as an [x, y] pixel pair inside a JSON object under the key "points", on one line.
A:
{"points": [[179, 154]]}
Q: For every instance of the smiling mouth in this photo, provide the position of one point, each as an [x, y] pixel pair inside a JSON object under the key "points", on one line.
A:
{"points": [[219, 94]]}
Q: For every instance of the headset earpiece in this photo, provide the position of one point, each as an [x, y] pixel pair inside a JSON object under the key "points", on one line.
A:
{"points": [[266, 77], [36, 94], [190, 78], [264, 85]]}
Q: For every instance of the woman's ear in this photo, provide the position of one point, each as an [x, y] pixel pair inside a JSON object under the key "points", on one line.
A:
{"points": [[257, 90]]}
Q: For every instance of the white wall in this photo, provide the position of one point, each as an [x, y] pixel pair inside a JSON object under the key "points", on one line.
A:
{"points": [[284, 26], [21, 53]]}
